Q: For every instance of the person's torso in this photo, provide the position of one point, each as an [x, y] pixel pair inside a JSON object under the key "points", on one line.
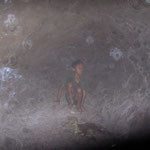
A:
{"points": [[81, 82]]}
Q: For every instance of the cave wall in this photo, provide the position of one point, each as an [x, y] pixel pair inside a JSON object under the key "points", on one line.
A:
{"points": [[40, 39]]}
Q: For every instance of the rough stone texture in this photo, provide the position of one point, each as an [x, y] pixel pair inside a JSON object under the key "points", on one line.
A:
{"points": [[38, 42]]}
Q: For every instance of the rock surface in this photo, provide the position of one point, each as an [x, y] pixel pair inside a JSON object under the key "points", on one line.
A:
{"points": [[38, 42]]}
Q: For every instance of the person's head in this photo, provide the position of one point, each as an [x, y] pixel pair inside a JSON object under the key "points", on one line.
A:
{"points": [[77, 66]]}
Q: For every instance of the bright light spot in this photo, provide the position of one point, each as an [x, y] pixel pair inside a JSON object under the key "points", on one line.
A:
{"points": [[11, 20], [116, 53], [7, 1], [27, 44], [89, 40], [8, 73], [147, 1]]}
